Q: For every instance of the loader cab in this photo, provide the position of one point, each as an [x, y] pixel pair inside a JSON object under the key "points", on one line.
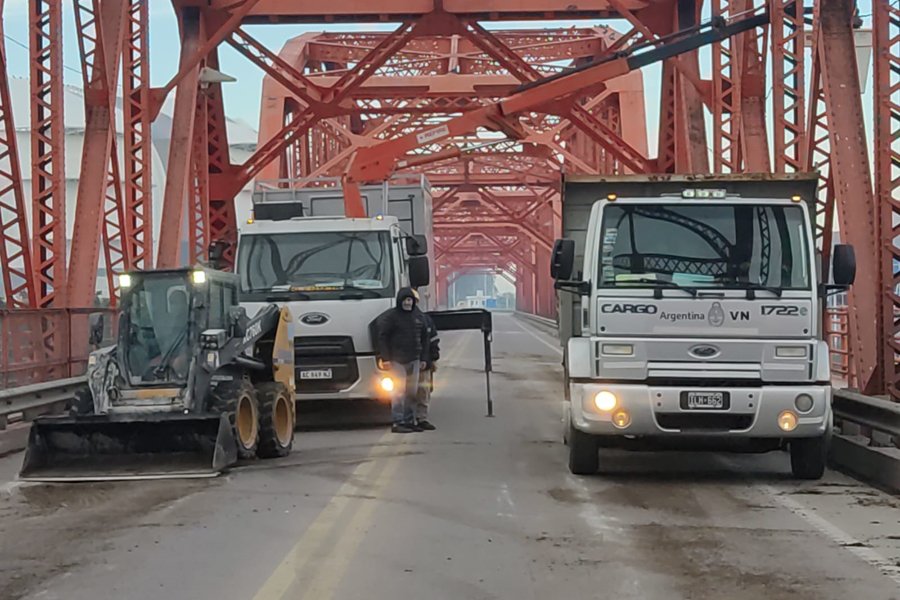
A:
{"points": [[162, 315]]}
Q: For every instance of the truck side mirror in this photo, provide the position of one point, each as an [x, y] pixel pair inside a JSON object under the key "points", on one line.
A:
{"points": [[843, 265], [562, 259], [419, 271], [416, 245]]}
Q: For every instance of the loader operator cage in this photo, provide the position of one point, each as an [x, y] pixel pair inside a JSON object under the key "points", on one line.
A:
{"points": [[162, 314]]}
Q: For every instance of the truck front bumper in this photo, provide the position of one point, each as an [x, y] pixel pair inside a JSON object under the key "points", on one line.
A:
{"points": [[659, 411]]}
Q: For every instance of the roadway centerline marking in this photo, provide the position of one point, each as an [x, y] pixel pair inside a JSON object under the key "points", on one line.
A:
{"points": [[285, 575], [378, 468]]}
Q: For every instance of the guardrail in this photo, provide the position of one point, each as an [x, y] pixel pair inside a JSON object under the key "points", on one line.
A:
{"points": [[30, 401], [867, 432], [536, 318]]}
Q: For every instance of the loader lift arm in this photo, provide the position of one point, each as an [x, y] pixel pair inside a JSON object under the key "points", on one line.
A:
{"points": [[230, 348], [377, 162]]}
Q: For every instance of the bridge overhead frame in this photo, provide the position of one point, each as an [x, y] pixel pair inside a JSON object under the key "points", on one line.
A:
{"points": [[497, 205]]}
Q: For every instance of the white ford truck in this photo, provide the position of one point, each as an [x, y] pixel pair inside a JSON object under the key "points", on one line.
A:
{"points": [[691, 316], [336, 274]]}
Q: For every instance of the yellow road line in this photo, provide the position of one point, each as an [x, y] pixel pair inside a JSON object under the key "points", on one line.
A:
{"points": [[286, 573], [379, 469], [331, 568]]}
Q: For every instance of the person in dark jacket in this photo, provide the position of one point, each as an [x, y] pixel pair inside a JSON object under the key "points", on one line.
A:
{"points": [[402, 345], [426, 375]]}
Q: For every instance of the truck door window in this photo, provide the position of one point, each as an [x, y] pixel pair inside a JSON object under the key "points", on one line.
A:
{"points": [[704, 246]]}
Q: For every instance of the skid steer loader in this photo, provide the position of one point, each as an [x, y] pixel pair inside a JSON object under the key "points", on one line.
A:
{"points": [[191, 386]]}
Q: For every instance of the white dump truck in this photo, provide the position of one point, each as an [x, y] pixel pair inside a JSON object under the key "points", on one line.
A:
{"points": [[336, 275], [690, 314]]}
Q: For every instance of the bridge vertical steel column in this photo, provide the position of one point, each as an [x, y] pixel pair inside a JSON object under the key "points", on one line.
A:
{"points": [[886, 26], [183, 128], [788, 85], [48, 152], [98, 212], [859, 216], [138, 154], [15, 251]]}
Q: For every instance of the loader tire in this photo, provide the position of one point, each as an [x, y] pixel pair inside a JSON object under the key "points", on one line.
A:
{"points": [[277, 418], [238, 399]]}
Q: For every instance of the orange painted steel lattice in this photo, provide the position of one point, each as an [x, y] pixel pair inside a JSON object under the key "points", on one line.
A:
{"points": [[497, 198]]}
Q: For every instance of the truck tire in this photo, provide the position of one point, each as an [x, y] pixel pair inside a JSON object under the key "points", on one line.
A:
{"points": [[583, 452], [808, 457], [82, 403], [238, 399], [276, 420]]}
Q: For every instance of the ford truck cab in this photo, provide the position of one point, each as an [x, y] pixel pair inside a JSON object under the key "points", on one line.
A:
{"points": [[336, 275], [694, 319]]}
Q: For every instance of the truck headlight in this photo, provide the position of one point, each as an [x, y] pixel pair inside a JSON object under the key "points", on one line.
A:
{"points": [[92, 360], [198, 277], [125, 280], [787, 421], [790, 351], [617, 349], [387, 384], [605, 401]]}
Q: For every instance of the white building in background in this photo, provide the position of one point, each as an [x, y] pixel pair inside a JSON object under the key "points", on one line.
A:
{"points": [[242, 140]]}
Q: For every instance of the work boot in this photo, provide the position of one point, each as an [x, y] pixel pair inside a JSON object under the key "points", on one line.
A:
{"points": [[426, 426], [415, 426], [401, 428]]}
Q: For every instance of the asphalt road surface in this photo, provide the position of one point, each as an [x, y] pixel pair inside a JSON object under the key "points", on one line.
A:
{"points": [[480, 508]]}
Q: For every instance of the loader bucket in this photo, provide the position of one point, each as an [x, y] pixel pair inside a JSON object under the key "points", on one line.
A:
{"points": [[109, 448]]}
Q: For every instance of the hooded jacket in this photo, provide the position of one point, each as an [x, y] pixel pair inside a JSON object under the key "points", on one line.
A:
{"points": [[402, 336]]}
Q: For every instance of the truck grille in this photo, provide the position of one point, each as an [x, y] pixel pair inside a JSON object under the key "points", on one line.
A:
{"points": [[704, 421], [325, 352]]}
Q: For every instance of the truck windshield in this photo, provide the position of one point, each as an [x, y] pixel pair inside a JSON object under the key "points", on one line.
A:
{"points": [[704, 246], [316, 265]]}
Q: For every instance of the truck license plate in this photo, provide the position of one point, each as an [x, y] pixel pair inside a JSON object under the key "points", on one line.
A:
{"points": [[316, 374], [704, 400]]}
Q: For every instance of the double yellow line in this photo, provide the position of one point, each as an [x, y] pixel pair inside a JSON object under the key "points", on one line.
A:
{"points": [[319, 559]]}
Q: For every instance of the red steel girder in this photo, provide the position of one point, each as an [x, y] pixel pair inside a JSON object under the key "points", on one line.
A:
{"points": [[726, 94], [221, 220], [356, 11], [788, 84], [138, 156], [198, 210], [183, 128], [98, 213], [48, 187], [15, 251], [887, 179], [857, 210]]}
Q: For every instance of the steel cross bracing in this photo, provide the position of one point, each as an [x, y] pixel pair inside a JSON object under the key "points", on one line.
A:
{"points": [[783, 97]]}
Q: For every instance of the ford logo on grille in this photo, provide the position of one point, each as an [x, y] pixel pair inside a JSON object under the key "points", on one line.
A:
{"points": [[314, 319], [704, 351]]}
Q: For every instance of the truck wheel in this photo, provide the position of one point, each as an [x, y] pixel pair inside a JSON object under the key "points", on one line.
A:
{"points": [[583, 452], [276, 420], [82, 403], [808, 457], [238, 399]]}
